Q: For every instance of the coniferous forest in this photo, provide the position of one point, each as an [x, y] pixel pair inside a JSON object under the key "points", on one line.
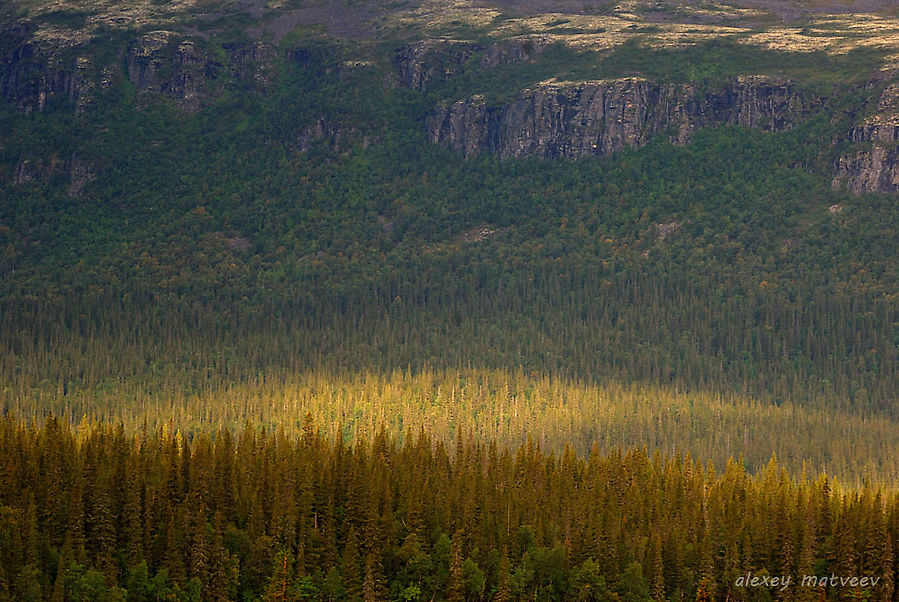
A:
{"points": [[96, 514], [444, 300]]}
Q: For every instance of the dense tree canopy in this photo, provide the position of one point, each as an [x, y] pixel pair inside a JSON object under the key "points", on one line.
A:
{"points": [[93, 513]]}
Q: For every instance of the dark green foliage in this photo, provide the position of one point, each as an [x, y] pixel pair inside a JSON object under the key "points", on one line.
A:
{"points": [[708, 64], [723, 57], [758, 289]]}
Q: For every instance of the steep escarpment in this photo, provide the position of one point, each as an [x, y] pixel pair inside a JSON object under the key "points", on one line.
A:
{"points": [[36, 73], [34, 76], [551, 119], [600, 117], [157, 62], [162, 62], [580, 118], [430, 62], [874, 166]]}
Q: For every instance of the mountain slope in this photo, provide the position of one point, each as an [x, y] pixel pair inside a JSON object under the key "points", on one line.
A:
{"points": [[679, 196]]}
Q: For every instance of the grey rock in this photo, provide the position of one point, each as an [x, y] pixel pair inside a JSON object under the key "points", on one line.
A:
{"points": [[874, 165], [161, 63], [33, 77], [873, 170], [429, 62], [601, 117], [514, 50]]}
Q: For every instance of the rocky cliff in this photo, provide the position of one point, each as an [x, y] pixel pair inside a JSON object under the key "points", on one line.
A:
{"points": [[600, 117], [574, 119], [34, 76], [874, 166], [551, 119], [427, 63], [76, 171], [162, 62], [158, 62]]}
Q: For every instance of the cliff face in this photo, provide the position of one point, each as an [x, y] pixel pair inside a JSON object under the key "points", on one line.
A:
{"points": [[162, 63], [35, 76], [874, 167], [598, 118], [76, 171], [158, 63], [548, 120], [427, 63], [874, 170]]}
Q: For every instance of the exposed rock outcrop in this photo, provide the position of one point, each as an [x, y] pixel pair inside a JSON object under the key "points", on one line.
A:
{"points": [[79, 173], [514, 50], [35, 74], [253, 65], [76, 171], [872, 170], [600, 117], [430, 62], [597, 118], [161, 62], [323, 134], [34, 77], [465, 126], [319, 130], [875, 166]]}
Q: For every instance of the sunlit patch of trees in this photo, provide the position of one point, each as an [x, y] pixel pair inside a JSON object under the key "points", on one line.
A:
{"points": [[504, 406]]}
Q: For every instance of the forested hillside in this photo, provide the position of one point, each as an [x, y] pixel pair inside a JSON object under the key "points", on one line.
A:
{"points": [[447, 253]]}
